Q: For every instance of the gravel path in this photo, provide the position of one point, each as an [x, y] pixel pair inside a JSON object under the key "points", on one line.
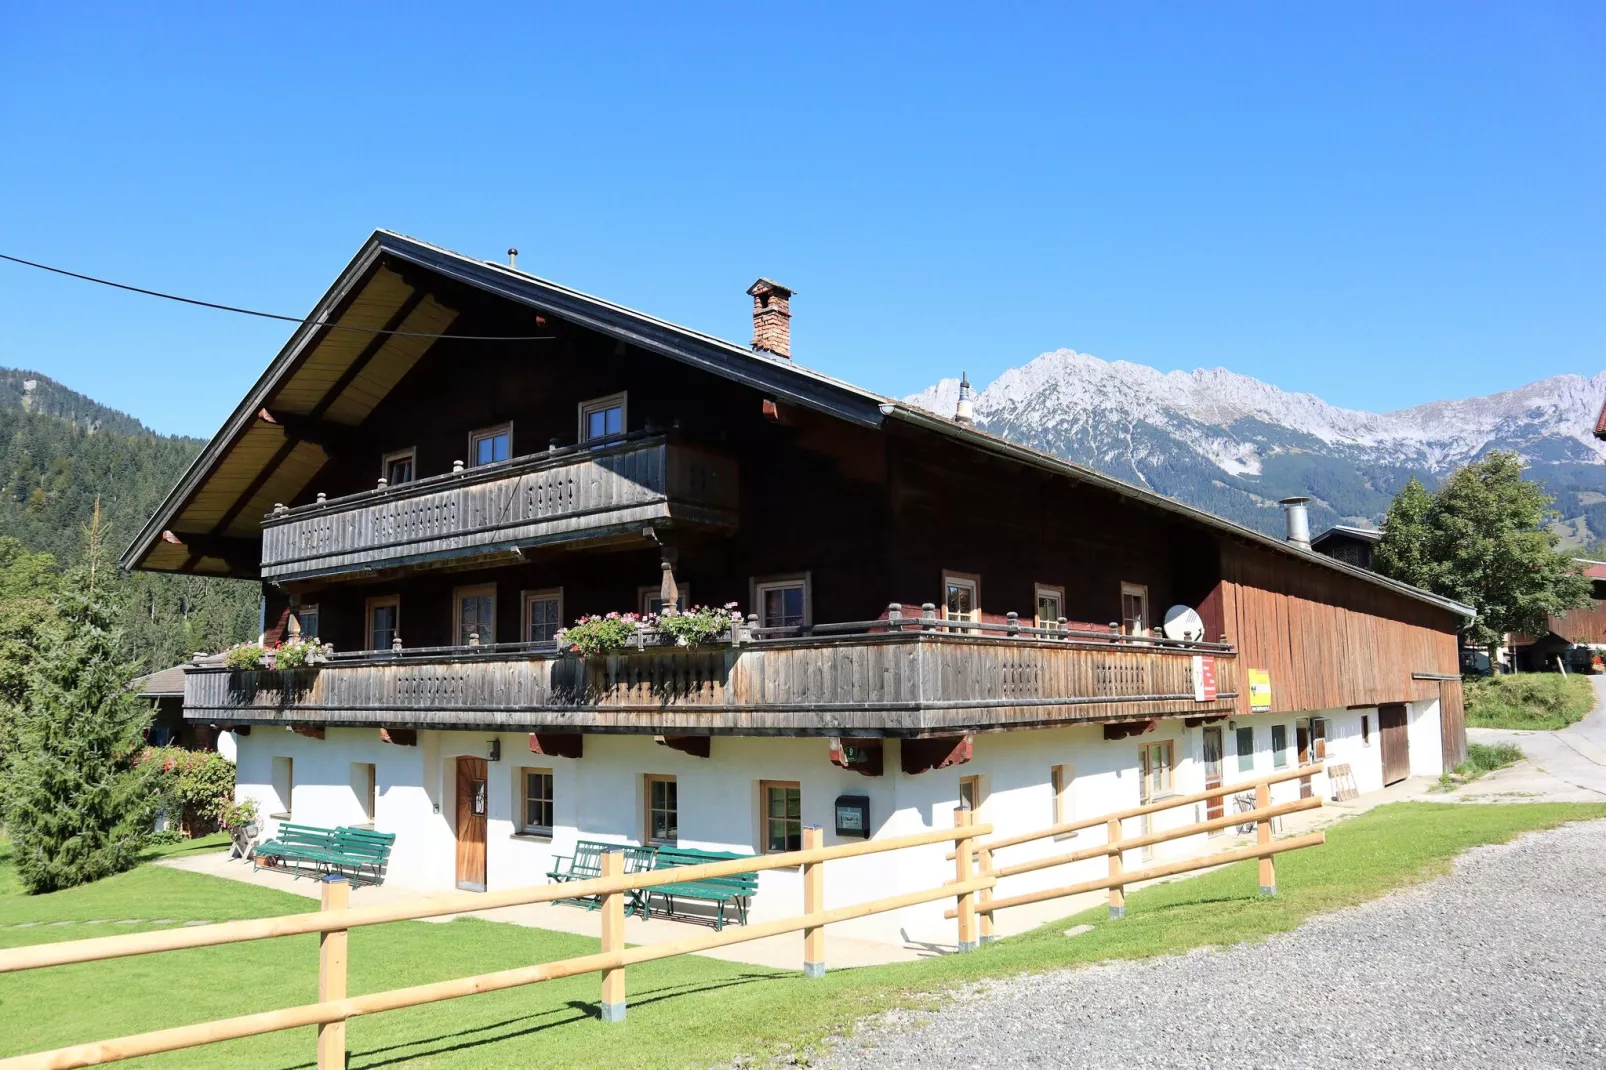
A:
{"points": [[1503, 964]]}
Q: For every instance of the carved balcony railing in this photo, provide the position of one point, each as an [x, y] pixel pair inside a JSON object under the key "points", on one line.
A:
{"points": [[575, 494], [892, 677]]}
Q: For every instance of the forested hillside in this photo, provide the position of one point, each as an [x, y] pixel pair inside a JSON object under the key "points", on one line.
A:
{"points": [[59, 451]]}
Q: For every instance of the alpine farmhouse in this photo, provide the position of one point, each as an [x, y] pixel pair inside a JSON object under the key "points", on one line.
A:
{"points": [[933, 616]]}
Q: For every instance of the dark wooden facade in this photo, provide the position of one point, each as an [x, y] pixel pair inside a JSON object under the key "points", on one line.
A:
{"points": [[731, 469]]}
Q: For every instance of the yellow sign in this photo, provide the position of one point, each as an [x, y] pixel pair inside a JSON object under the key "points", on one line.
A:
{"points": [[1259, 689]]}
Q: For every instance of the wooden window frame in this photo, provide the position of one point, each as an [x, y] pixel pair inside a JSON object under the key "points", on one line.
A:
{"points": [[545, 594], [376, 602], [1170, 769], [645, 596], [764, 787], [472, 590], [490, 431], [1061, 779], [1136, 590], [409, 454], [978, 792], [1319, 727], [370, 797], [759, 584], [301, 613], [621, 400], [970, 579], [521, 794], [287, 800], [1053, 591], [1279, 755], [647, 781]]}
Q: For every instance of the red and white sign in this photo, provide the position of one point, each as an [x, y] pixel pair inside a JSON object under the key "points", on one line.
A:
{"points": [[1204, 678]]}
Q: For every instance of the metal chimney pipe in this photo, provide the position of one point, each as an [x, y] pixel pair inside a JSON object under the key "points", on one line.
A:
{"points": [[964, 410], [1298, 521]]}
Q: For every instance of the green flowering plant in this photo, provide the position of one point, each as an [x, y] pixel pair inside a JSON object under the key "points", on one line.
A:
{"points": [[246, 656], [699, 625], [297, 653], [593, 635]]}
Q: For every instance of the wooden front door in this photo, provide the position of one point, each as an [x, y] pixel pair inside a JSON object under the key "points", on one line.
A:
{"points": [[1302, 739], [1392, 726], [471, 804], [1212, 763]]}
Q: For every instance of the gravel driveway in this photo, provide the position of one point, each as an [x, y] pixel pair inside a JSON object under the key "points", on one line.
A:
{"points": [[1501, 964]]}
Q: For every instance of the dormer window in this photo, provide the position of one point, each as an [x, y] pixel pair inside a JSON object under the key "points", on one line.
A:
{"points": [[602, 418], [491, 444]]}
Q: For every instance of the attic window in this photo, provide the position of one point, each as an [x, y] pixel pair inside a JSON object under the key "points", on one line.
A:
{"points": [[491, 444]]}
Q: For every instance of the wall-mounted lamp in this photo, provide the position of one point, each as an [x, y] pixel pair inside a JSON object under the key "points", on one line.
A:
{"points": [[496, 750], [1232, 725]]}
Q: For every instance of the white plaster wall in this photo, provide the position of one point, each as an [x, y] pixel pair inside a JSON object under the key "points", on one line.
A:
{"points": [[599, 797]]}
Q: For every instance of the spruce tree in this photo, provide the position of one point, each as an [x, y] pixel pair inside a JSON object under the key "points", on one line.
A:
{"points": [[78, 804]]}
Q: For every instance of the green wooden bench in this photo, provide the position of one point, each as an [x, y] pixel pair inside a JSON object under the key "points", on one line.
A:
{"points": [[295, 846], [586, 864], [737, 889], [357, 854], [360, 854]]}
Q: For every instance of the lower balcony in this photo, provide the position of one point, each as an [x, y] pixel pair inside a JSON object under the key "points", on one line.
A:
{"points": [[877, 679]]}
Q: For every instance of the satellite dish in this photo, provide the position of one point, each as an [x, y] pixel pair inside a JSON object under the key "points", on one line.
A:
{"points": [[1181, 622]]}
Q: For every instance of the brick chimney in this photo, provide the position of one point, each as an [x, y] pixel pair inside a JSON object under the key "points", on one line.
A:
{"points": [[772, 318]]}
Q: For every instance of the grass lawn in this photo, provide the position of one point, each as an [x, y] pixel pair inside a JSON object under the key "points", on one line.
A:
{"points": [[1527, 700], [687, 1011]]}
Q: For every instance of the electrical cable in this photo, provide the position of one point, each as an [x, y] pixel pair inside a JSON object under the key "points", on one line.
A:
{"points": [[302, 320]]}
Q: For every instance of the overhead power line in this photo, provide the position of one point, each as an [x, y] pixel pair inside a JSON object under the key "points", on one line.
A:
{"points": [[302, 320]]}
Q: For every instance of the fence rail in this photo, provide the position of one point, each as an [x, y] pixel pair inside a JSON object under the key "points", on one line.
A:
{"points": [[974, 881]]}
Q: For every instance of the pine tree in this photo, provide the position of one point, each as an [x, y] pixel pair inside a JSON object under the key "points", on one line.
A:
{"points": [[77, 803]]}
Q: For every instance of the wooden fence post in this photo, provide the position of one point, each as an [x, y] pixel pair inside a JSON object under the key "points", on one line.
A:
{"points": [[963, 850], [984, 856], [813, 903], [332, 976], [613, 939], [1117, 891], [1268, 865]]}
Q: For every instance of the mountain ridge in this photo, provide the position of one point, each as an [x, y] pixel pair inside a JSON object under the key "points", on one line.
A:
{"points": [[1234, 444]]}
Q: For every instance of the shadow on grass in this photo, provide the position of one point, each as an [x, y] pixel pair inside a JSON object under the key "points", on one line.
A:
{"points": [[571, 1012]]}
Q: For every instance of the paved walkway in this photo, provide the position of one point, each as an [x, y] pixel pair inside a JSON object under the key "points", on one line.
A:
{"points": [[1564, 766], [1456, 973]]}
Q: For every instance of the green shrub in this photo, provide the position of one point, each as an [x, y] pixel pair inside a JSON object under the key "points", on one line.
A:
{"points": [[198, 785], [1529, 700]]}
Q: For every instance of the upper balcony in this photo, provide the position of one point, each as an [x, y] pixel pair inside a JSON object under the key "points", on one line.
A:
{"points": [[908, 677], [577, 494]]}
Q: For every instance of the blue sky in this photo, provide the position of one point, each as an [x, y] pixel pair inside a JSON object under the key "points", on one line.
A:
{"points": [[1382, 204]]}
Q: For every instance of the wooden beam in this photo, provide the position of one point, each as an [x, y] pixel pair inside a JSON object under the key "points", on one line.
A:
{"points": [[557, 744], [696, 746], [236, 551], [1122, 729], [935, 752], [369, 352], [864, 756], [311, 731], [401, 737], [331, 438]]}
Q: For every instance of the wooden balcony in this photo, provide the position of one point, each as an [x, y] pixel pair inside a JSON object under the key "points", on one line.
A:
{"points": [[886, 682], [578, 494]]}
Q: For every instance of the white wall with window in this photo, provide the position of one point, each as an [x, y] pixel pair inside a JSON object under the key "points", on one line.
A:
{"points": [[758, 791]]}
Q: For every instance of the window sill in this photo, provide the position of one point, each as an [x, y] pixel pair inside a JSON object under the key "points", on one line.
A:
{"points": [[1062, 837], [280, 817], [369, 825], [538, 837]]}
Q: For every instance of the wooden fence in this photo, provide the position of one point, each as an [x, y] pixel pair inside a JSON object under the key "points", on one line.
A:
{"points": [[972, 885]]}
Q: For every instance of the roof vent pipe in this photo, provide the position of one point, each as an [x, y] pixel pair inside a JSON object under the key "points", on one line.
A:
{"points": [[512, 258], [1298, 521], [964, 410]]}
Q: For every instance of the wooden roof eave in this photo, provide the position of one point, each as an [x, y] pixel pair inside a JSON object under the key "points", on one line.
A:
{"points": [[246, 411]]}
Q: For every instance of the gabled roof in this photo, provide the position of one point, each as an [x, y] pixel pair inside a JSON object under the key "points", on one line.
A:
{"points": [[338, 377], [164, 684], [1600, 423], [1347, 530]]}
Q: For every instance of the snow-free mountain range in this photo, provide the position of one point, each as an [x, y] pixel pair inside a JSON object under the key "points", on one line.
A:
{"points": [[1234, 445]]}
